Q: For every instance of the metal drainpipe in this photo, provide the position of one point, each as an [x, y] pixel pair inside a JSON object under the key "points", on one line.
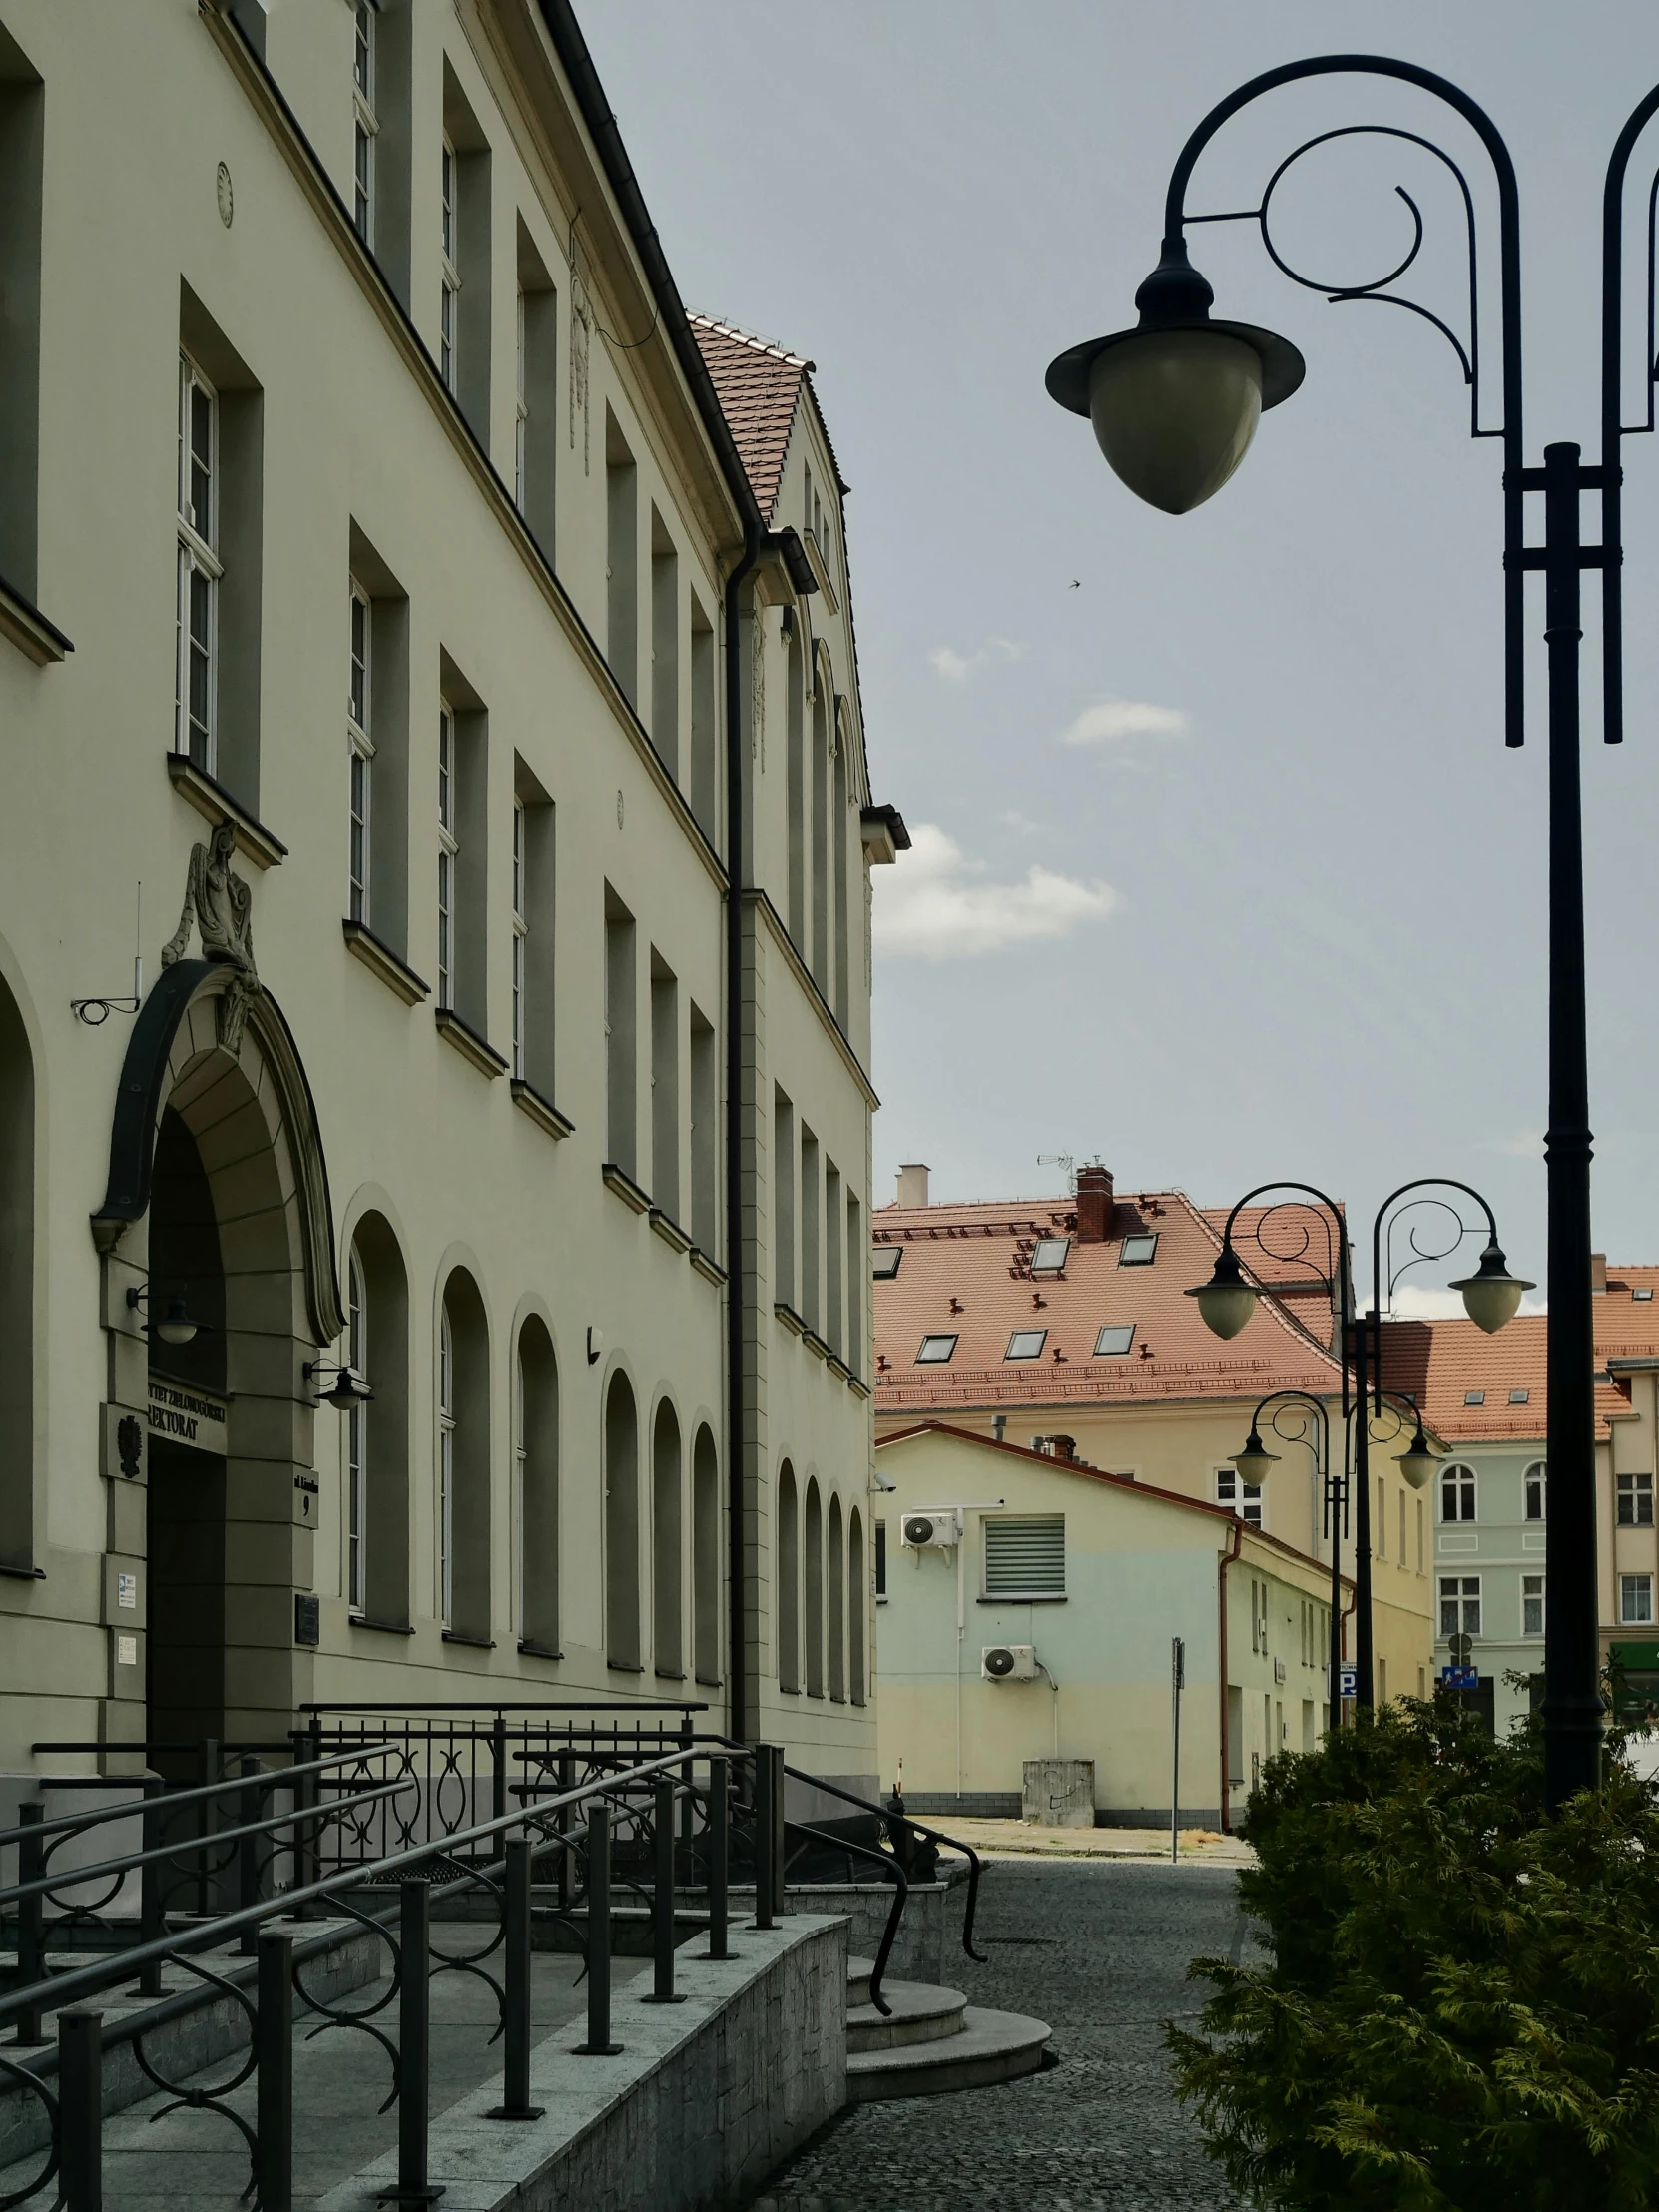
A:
{"points": [[1227, 1560], [737, 1699]]}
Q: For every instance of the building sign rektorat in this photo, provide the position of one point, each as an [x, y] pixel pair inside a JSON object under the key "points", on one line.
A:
{"points": [[184, 1416]]}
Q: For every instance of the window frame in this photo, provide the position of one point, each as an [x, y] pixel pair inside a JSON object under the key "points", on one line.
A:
{"points": [[446, 1469], [1466, 1590], [449, 850], [1040, 1266], [1637, 1491], [1238, 1496], [1535, 1477], [1022, 1336], [1534, 1596], [366, 123], [521, 405], [1632, 1586], [1463, 1474], [359, 720], [450, 237], [926, 1359], [357, 1441], [880, 1274], [197, 561], [520, 932], [1137, 1237], [1116, 1351]]}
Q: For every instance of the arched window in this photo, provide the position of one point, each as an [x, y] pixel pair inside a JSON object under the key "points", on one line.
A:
{"points": [[667, 1558], [855, 1574], [836, 1605], [838, 844], [17, 1290], [356, 1440], [822, 707], [536, 1456], [813, 1547], [705, 1557], [796, 791], [464, 1461], [1535, 1487], [1456, 1492], [375, 1438], [621, 1526], [789, 1581]]}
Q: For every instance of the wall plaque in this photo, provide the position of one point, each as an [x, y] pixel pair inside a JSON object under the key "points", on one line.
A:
{"points": [[307, 1619], [181, 1416]]}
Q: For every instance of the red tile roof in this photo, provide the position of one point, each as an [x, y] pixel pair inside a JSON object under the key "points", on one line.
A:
{"points": [[979, 1254], [1439, 1363], [758, 387]]}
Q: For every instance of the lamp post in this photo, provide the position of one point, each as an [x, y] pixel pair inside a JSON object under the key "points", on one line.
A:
{"points": [[1254, 1464], [1173, 404], [1491, 1297]]}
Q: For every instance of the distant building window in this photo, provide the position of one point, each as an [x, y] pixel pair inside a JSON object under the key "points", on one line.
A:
{"points": [[935, 1350], [1457, 1493], [1519, 1398], [1115, 1338], [1240, 1497], [1049, 1257], [1474, 1397], [1027, 1344], [449, 206], [1459, 1605], [1643, 1294], [1635, 1599], [1533, 1604], [880, 1559], [197, 627], [887, 1258], [1140, 1251], [1635, 1501], [1025, 1557], [1536, 1491]]}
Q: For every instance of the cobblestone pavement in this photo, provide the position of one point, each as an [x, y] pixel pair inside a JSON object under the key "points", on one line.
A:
{"points": [[1098, 1950]]}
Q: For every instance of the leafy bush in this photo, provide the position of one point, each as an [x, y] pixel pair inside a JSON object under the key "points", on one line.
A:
{"points": [[1461, 2008]]}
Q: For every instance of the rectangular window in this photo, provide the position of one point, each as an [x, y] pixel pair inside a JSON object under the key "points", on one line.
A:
{"points": [[466, 269], [1420, 1536], [22, 149], [1459, 1605], [1536, 1487], [1139, 1251], [1635, 1502], [1240, 1497], [1048, 1257], [1027, 1344], [357, 1436], [886, 1265], [534, 888], [1025, 1557], [855, 1348], [705, 1134], [449, 304], [536, 442], [1402, 1528], [834, 1246], [1643, 1294], [935, 1350], [1115, 1339], [811, 1267], [664, 1087], [881, 1562], [665, 646], [521, 931], [360, 753], [1635, 1598], [1457, 1493], [200, 570], [621, 583], [705, 746], [521, 407], [782, 1199], [1474, 1397], [365, 123], [1519, 1398], [448, 854], [1533, 1604], [621, 991], [1382, 1519]]}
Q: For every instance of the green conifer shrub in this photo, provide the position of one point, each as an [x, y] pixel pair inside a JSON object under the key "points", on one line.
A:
{"points": [[1460, 2004]]}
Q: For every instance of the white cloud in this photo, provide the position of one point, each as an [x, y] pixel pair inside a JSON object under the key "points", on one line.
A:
{"points": [[937, 905], [961, 668], [1110, 719], [1521, 1143]]}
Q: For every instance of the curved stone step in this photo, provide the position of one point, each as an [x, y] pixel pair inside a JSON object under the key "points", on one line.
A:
{"points": [[918, 2013], [992, 2047], [858, 1971]]}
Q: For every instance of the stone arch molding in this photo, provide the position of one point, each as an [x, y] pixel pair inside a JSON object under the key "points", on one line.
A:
{"points": [[200, 1025]]}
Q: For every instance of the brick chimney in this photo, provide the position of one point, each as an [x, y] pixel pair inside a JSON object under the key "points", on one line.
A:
{"points": [[912, 1184], [1598, 1270], [1064, 1448], [1094, 1203]]}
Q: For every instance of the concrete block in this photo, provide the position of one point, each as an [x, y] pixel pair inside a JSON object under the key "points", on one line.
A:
{"points": [[1058, 1793]]}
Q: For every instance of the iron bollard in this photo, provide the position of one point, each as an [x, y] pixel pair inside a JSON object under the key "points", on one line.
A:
{"points": [[247, 1859], [206, 1811], [599, 2044], [498, 1782], [31, 1920], [567, 1783], [661, 1894], [152, 1910], [414, 2048], [515, 2073], [719, 1844], [768, 1834], [80, 2108], [273, 2031]]}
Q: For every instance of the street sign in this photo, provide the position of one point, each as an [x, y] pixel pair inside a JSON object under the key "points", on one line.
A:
{"points": [[1347, 1680], [1460, 1678]]}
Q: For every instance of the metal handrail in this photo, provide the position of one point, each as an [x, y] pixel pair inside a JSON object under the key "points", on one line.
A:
{"points": [[901, 1897]]}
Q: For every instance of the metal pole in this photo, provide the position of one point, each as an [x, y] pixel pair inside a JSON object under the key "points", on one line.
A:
{"points": [[599, 2044], [273, 2026], [1177, 1678], [152, 1906], [1572, 1713], [80, 2108], [248, 1803], [719, 1849], [414, 2048], [661, 1894], [31, 1920], [515, 2073], [1334, 1486], [765, 1902], [1362, 1691]]}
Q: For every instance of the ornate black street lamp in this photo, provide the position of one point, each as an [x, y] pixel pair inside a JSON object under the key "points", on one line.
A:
{"points": [[1491, 1297], [1173, 404]]}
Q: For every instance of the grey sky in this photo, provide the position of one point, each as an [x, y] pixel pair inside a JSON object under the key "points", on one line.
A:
{"points": [[1306, 933]]}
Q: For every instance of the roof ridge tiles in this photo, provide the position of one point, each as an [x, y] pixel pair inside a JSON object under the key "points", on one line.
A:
{"points": [[770, 347]]}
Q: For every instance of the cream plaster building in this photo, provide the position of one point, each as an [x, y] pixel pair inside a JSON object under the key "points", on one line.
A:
{"points": [[454, 639]]}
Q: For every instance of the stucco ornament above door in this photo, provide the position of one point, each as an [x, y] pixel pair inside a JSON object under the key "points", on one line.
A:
{"points": [[221, 907]]}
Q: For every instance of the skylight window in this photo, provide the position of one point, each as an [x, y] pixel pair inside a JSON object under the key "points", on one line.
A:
{"points": [[887, 1258], [1647, 1292], [935, 1350], [1519, 1398], [1474, 1397], [1139, 1251], [1116, 1337], [1027, 1344], [1050, 1258]]}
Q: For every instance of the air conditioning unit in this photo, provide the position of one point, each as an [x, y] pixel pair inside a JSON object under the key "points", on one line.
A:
{"points": [[1008, 1663], [931, 1532]]}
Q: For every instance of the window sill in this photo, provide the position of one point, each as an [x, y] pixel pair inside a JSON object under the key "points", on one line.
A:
{"points": [[475, 1643], [790, 1318], [668, 1674], [711, 1271], [379, 1628], [532, 1650], [858, 1386], [618, 1180], [28, 629], [541, 1111], [669, 1230], [1020, 1597], [707, 1681], [473, 1048], [214, 804], [381, 960], [622, 1666], [815, 1344]]}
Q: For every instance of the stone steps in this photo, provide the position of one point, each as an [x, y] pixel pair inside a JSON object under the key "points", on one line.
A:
{"points": [[931, 2040]]}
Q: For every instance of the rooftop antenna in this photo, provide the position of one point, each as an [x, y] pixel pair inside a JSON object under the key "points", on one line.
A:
{"points": [[96, 1011], [1064, 1160]]}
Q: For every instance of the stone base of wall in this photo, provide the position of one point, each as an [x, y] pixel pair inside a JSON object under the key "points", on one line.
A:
{"points": [[704, 2101], [1005, 1804]]}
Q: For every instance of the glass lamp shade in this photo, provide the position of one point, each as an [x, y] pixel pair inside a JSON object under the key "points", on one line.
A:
{"points": [[345, 1392], [1255, 1459], [1174, 412], [1227, 1301], [1492, 1296], [1419, 1463], [175, 1326]]}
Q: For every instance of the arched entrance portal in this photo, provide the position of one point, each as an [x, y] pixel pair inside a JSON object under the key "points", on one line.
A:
{"points": [[218, 1188]]}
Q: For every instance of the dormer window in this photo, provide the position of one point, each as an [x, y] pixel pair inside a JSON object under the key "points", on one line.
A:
{"points": [[1642, 1294], [1114, 1339], [935, 1352], [1049, 1257], [887, 1258], [1027, 1344], [1139, 1251]]}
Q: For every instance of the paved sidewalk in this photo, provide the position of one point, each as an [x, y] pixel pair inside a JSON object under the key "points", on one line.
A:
{"points": [[1098, 1949], [1025, 1840]]}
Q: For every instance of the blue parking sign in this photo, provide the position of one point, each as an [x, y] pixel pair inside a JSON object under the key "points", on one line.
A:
{"points": [[1347, 1681]]}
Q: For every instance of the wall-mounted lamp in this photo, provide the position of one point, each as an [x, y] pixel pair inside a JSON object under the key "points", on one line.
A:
{"points": [[346, 1391], [175, 1326], [596, 1345]]}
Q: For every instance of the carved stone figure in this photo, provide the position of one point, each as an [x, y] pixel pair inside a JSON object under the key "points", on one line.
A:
{"points": [[221, 905]]}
